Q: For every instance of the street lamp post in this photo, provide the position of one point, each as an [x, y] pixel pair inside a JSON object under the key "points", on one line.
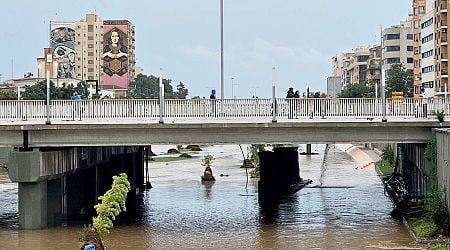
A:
{"points": [[221, 58], [38, 69], [383, 80], [274, 102], [47, 69], [232, 88], [161, 96]]}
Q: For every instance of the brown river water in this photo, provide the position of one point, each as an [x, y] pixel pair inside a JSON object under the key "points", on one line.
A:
{"points": [[350, 212]]}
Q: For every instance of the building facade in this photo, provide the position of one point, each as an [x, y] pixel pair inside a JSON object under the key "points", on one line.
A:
{"points": [[362, 65], [441, 23], [88, 44], [398, 46], [419, 9], [118, 56], [427, 67]]}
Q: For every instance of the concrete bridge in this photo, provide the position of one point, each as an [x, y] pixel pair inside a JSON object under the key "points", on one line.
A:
{"points": [[57, 153]]}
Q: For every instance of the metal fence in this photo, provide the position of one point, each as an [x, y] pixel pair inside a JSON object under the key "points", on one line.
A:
{"points": [[301, 108]]}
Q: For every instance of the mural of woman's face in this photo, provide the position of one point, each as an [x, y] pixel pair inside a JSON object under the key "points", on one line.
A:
{"points": [[114, 37]]}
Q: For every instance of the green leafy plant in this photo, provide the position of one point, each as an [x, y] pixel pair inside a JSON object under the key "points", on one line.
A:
{"points": [[112, 203], [207, 160], [424, 227]]}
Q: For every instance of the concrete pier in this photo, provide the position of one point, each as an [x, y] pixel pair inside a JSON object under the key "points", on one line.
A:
{"points": [[279, 172]]}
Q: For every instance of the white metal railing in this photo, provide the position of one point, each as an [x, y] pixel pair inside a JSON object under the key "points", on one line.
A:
{"points": [[301, 108]]}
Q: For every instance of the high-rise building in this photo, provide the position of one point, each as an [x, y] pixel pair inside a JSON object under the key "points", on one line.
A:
{"points": [[398, 46], [419, 10], [441, 23], [427, 52], [88, 47]]}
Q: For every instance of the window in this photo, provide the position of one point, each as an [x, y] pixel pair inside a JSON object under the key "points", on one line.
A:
{"points": [[428, 85], [362, 58], [427, 53], [427, 38], [90, 28], [408, 36], [409, 60], [392, 60], [392, 48], [427, 23], [428, 69], [392, 36], [409, 48], [90, 38]]}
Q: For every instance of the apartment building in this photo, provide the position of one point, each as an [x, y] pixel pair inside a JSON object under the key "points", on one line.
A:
{"points": [[398, 46], [419, 9], [89, 47], [441, 23], [427, 65], [360, 65]]}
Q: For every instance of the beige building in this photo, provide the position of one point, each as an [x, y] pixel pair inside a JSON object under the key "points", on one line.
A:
{"points": [[398, 46], [441, 21], [359, 66], [89, 47], [419, 9]]}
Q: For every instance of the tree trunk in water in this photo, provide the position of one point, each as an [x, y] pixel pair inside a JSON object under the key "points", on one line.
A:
{"points": [[93, 238]]}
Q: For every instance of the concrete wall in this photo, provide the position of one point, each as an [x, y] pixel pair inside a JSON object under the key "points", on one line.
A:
{"points": [[443, 161]]}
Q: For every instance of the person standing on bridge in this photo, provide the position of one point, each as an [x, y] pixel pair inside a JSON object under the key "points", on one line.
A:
{"points": [[75, 109], [289, 97], [212, 97]]}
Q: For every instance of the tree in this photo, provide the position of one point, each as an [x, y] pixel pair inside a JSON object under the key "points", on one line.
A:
{"points": [[362, 90], [148, 87], [38, 91], [8, 94], [112, 203], [182, 92], [399, 79]]}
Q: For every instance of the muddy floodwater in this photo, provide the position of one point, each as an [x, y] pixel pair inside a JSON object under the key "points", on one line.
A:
{"points": [[350, 211]]}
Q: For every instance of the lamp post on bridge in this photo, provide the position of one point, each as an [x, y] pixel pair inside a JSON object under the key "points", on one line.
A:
{"points": [[161, 96], [47, 70], [274, 101], [221, 58], [383, 79]]}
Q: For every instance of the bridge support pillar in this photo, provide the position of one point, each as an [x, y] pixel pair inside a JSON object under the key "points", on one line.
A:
{"points": [[33, 205], [279, 173]]}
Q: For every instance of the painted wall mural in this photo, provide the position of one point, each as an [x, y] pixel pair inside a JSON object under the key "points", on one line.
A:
{"points": [[62, 40], [115, 54]]}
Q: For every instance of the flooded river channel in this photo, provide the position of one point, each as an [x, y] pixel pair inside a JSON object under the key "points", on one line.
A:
{"points": [[349, 212]]}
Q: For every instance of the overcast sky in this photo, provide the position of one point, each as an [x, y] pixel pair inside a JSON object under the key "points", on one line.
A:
{"points": [[298, 37]]}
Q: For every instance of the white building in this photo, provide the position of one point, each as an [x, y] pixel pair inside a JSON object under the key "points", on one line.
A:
{"points": [[427, 51]]}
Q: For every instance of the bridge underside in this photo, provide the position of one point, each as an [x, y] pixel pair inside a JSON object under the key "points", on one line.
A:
{"points": [[214, 133]]}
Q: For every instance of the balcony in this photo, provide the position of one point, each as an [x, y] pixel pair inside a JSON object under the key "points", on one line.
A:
{"points": [[443, 6], [444, 73]]}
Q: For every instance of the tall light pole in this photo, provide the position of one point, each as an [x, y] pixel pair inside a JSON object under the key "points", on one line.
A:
{"points": [[274, 102], [383, 80], [161, 96], [47, 66], [221, 58], [232, 88], [38, 69]]}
